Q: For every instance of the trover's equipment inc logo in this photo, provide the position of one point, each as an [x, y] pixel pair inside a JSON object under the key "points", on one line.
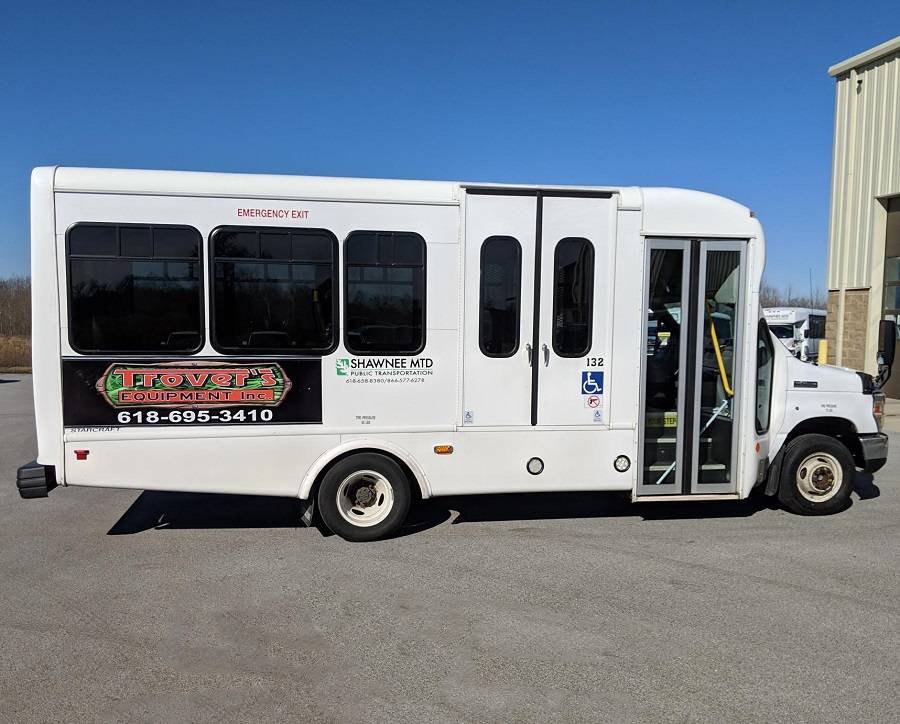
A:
{"points": [[193, 385]]}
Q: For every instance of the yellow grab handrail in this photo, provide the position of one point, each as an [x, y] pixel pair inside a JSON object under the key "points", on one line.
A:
{"points": [[722, 373]]}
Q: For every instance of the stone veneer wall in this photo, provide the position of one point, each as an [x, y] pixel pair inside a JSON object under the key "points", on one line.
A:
{"points": [[853, 337]]}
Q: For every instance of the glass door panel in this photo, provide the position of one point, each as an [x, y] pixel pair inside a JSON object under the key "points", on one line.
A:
{"points": [[664, 362], [719, 320], [691, 366]]}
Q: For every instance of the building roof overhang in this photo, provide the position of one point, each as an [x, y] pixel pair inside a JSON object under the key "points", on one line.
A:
{"points": [[867, 56]]}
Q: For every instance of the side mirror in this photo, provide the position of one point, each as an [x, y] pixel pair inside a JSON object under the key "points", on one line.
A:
{"points": [[805, 334], [887, 341]]}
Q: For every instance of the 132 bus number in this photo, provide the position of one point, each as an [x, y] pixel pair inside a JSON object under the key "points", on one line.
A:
{"points": [[176, 417], [594, 362]]}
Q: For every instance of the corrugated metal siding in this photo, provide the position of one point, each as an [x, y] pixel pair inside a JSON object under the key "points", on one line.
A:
{"points": [[866, 165]]}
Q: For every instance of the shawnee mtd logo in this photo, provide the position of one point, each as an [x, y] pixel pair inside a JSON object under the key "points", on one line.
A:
{"points": [[193, 385], [345, 366]]}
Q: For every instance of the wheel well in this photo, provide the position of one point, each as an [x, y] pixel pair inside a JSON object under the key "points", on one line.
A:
{"points": [[837, 427], [414, 488]]}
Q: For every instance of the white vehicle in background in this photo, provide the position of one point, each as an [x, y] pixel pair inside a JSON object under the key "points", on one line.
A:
{"points": [[359, 343], [800, 329]]}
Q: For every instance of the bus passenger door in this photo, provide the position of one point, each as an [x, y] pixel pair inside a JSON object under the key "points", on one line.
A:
{"points": [[576, 298], [498, 309], [693, 355]]}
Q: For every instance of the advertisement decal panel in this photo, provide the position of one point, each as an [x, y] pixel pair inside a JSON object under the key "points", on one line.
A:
{"points": [[109, 392]]}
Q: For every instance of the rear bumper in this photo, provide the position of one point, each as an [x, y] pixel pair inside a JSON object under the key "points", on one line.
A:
{"points": [[35, 480], [874, 451]]}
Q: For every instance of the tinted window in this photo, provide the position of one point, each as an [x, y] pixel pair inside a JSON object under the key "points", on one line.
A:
{"points": [[501, 270], [816, 326], [173, 241], [573, 293], [94, 240], [385, 303], [783, 331], [274, 289], [136, 241], [127, 294]]}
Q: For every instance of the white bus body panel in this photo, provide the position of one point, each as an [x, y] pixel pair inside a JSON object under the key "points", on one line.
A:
{"points": [[45, 341], [406, 419]]}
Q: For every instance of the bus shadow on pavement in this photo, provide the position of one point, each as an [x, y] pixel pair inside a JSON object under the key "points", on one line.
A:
{"points": [[154, 510], [864, 486], [558, 506]]}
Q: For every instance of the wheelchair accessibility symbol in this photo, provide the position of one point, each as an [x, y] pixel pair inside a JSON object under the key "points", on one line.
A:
{"points": [[591, 383]]}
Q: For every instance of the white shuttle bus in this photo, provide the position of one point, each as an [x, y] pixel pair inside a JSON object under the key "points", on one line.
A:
{"points": [[800, 329], [360, 344]]}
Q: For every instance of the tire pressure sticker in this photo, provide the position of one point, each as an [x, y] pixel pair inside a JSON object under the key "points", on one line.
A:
{"points": [[191, 392]]}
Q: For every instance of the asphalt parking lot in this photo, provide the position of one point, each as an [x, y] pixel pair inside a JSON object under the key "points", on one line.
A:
{"points": [[118, 605]]}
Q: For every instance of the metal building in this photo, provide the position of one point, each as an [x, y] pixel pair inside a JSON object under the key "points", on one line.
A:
{"points": [[864, 229]]}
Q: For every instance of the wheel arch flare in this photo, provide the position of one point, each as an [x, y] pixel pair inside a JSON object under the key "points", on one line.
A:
{"points": [[359, 445]]}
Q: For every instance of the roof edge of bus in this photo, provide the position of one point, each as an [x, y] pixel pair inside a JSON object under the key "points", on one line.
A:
{"points": [[701, 213], [251, 185], [78, 179]]}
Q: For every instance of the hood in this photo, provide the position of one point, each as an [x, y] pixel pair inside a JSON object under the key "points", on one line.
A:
{"points": [[822, 378]]}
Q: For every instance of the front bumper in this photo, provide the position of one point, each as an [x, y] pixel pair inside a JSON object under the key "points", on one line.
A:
{"points": [[874, 451], [35, 480]]}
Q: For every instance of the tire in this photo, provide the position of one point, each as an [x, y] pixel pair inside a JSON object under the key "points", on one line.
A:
{"points": [[816, 476], [364, 497]]}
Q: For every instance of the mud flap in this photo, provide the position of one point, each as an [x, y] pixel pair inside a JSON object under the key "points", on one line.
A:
{"points": [[308, 511]]}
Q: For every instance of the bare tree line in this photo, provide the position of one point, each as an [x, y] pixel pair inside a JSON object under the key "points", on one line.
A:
{"points": [[772, 296], [15, 307]]}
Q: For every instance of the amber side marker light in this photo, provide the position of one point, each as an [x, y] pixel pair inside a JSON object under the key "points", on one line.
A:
{"points": [[443, 449]]}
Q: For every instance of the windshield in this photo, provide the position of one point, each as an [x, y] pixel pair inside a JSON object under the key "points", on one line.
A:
{"points": [[782, 331]]}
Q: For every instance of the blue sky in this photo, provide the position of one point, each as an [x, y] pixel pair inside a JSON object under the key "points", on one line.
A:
{"points": [[729, 98]]}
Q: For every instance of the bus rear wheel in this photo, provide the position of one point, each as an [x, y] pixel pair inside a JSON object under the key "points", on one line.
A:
{"points": [[364, 497], [816, 476]]}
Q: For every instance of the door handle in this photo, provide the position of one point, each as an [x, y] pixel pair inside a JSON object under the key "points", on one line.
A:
{"points": [[546, 350], [528, 350]]}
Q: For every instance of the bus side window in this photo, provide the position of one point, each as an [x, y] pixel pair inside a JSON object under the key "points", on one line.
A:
{"points": [[573, 296], [500, 296], [274, 290], [134, 288], [765, 363], [384, 304]]}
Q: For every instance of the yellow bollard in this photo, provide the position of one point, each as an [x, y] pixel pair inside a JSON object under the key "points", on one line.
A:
{"points": [[822, 359]]}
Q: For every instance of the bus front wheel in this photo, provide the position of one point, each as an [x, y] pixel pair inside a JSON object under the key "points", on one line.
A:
{"points": [[816, 475], [364, 497]]}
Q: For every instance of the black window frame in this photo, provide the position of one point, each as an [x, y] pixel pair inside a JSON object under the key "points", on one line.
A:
{"points": [[762, 332], [481, 287], [590, 301], [345, 266], [201, 286], [273, 351]]}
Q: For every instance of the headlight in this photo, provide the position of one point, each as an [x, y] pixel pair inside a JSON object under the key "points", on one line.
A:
{"points": [[878, 409]]}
